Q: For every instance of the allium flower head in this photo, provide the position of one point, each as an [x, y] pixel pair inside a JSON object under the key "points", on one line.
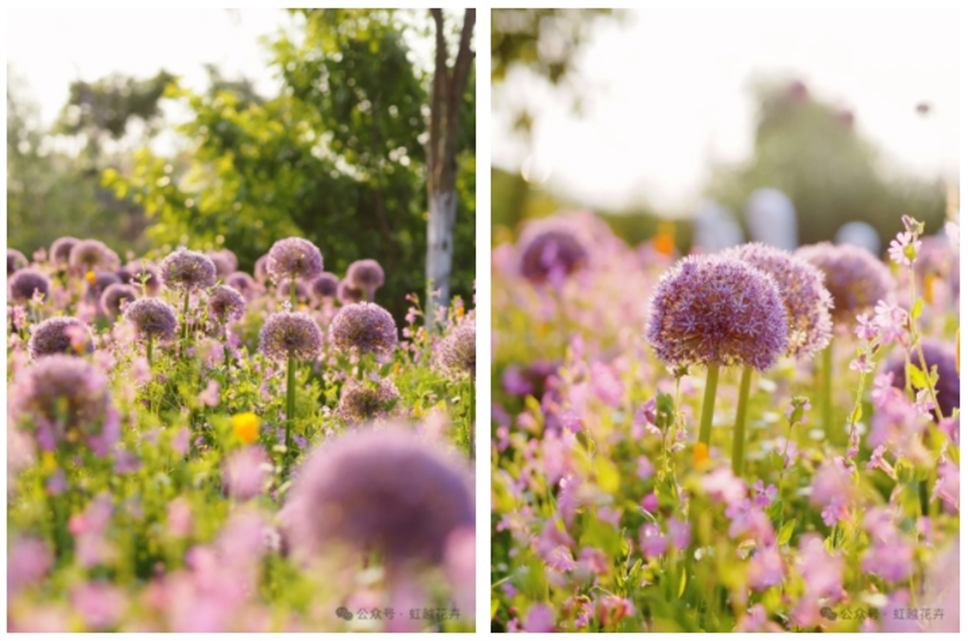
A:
{"points": [[458, 350], [936, 354], [153, 318], [60, 250], [365, 327], [139, 270], [362, 401], [114, 295], [259, 269], [302, 290], [294, 258], [326, 285], [226, 303], [62, 397], [225, 261], [715, 310], [288, 334], [52, 337], [101, 281], [365, 274], [552, 255], [241, 282], [380, 490], [15, 261], [801, 286], [24, 282], [347, 294], [186, 270], [854, 277], [86, 255]]}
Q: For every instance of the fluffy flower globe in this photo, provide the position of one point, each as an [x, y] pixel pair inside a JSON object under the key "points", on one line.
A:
{"points": [[153, 319], [854, 277], [259, 269], [24, 282], [61, 398], [60, 250], [458, 350], [86, 255], [936, 354], [15, 261], [225, 262], [226, 303], [552, 255], [54, 336], [366, 274], [379, 490], [139, 271], [290, 334], [187, 271], [326, 285], [362, 401], [294, 258], [347, 294], [241, 282], [100, 282], [364, 327], [113, 297], [715, 310], [807, 301]]}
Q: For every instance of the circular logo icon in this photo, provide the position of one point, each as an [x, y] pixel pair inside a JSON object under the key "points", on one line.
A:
{"points": [[344, 614], [827, 613]]}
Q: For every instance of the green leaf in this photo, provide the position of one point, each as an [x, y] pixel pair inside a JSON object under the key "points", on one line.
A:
{"points": [[918, 379], [682, 582], [786, 532], [918, 306]]}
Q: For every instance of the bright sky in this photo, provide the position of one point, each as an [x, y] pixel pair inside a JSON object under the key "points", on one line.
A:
{"points": [[668, 91]]}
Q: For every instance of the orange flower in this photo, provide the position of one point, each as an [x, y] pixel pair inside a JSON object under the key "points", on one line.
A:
{"points": [[246, 427], [700, 455], [91, 278]]}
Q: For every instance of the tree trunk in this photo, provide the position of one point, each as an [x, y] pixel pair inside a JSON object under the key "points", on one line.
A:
{"points": [[440, 245]]}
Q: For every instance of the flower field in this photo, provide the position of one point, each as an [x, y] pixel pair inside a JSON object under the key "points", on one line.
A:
{"points": [[195, 448], [753, 440]]}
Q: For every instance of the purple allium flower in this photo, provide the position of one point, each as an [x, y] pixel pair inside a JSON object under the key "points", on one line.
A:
{"points": [[153, 318], [552, 255], [186, 270], [365, 327], [458, 350], [347, 294], [288, 334], [52, 337], [123, 274], [381, 490], [807, 301], [326, 285], [60, 250], [225, 262], [29, 561], [855, 278], [87, 254], [226, 303], [294, 258], [114, 295], [714, 310], [139, 270], [366, 274], [15, 261], [24, 282], [102, 280], [302, 290], [241, 282], [259, 269], [362, 401], [61, 397], [245, 471], [936, 354]]}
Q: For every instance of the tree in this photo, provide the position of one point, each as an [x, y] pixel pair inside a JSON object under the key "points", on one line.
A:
{"points": [[446, 104]]}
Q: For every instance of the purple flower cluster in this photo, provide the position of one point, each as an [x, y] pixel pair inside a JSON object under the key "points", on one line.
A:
{"points": [[25, 282], [362, 401], [552, 255], [294, 258], [326, 285], [88, 254], [241, 282], [854, 277], [936, 354], [347, 294], [153, 318], [288, 334], [226, 303], [60, 250], [53, 336], [116, 294], [714, 310], [15, 261], [364, 327], [458, 351], [807, 301], [366, 274], [225, 262], [302, 290], [139, 270], [184, 270], [102, 280], [379, 490]]}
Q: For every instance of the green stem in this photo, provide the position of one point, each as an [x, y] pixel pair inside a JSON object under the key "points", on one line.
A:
{"points": [[826, 391], [290, 405], [708, 401], [185, 321], [470, 418], [292, 293], [150, 341], [739, 431]]}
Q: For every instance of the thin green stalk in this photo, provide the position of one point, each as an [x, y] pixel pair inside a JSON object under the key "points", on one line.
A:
{"points": [[150, 341], [290, 404], [470, 418], [708, 401], [185, 321], [826, 391], [292, 293], [739, 431]]}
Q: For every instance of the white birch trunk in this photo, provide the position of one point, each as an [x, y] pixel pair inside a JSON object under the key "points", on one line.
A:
{"points": [[440, 250]]}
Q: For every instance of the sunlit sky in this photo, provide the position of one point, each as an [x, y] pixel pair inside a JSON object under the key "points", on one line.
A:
{"points": [[668, 91]]}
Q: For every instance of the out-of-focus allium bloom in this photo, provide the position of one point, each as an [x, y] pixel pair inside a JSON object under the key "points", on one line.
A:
{"points": [[807, 301], [294, 258], [380, 490], [60, 250], [87, 254], [714, 310], [302, 290], [326, 285], [185, 270], [347, 294], [855, 278], [288, 334], [225, 262], [458, 351], [259, 269], [936, 354], [25, 282], [364, 327], [29, 561], [116, 294], [366, 274], [52, 337], [244, 473], [552, 255], [139, 270], [15, 261], [226, 303], [102, 280], [362, 401], [153, 318], [241, 282], [61, 397]]}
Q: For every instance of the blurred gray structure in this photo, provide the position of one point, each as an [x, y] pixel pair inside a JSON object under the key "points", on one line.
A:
{"points": [[860, 234], [715, 228], [772, 219]]}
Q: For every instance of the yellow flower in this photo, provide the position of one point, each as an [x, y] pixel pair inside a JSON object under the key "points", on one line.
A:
{"points": [[246, 427], [48, 462], [91, 278], [700, 455]]}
